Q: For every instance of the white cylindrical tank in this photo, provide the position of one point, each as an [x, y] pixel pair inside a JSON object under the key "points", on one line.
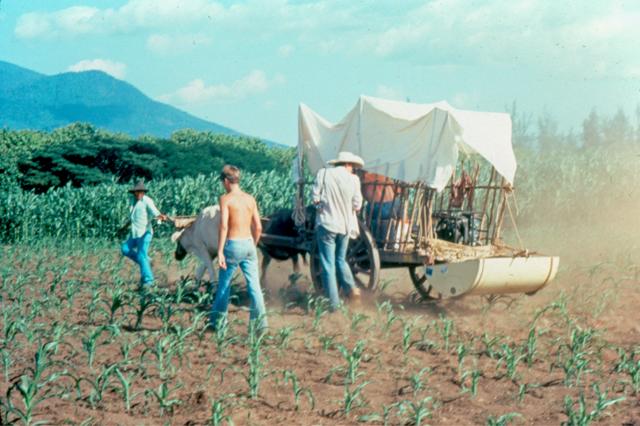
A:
{"points": [[493, 275]]}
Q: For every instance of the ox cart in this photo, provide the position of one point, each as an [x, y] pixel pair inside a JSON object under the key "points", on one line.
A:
{"points": [[437, 184]]}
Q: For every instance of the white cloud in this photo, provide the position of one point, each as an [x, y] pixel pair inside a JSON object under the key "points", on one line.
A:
{"points": [[198, 92], [63, 23], [285, 50], [251, 16], [133, 15], [33, 25], [165, 44], [545, 35], [116, 69]]}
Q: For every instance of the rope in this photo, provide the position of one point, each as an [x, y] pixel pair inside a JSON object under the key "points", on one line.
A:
{"points": [[299, 212], [513, 222]]}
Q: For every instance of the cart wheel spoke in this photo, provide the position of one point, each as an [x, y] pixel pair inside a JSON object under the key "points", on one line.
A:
{"points": [[360, 258], [360, 270], [419, 279]]}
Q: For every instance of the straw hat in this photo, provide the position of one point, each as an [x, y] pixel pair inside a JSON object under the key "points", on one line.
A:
{"points": [[347, 157], [139, 187]]}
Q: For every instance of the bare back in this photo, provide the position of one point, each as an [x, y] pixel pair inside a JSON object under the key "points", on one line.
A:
{"points": [[242, 210], [378, 188]]}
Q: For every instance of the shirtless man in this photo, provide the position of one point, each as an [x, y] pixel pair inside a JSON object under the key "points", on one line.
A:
{"points": [[381, 192], [240, 229]]}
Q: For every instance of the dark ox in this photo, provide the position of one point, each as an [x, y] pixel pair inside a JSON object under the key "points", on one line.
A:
{"points": [[281, 224]]}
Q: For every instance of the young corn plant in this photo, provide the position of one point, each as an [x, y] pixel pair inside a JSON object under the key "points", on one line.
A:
{"points": [[390, 316], [581, 416], [357, 319], [407, 331], [219, 408], [416, 381], [445, 329], [32, 387], [633, 370], [424, 343], [327, 341], [511, 358], [298, 391], [166, 309], [6, 364], [256, 365], [90, 344], [415, 412], [143, 305], [320, 307], [503, 420], [461, 351], [181, 334], [70, 291], [163, 351], [475, 375], [575, 363], [353, 397], [489, 345], [93, 305], [284, 337], [126, 388], [163, 395], [117, 299], [384, 417], [524, 388], [59, 274], [223, 336], [30, 396], [99, 385], [531, 346], [353, 358]]}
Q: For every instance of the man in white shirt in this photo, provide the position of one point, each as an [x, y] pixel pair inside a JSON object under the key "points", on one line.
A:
{"points": [[336, 194], [142, 211]]}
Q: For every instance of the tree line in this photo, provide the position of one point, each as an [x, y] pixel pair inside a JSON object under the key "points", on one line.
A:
{"points": [[596, 130], [80, 154]]}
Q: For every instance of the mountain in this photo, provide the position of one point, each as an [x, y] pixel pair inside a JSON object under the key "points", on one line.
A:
{"points": [[30, 100]]}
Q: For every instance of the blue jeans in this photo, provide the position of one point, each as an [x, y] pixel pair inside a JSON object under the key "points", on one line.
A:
{"points": [[137, 249], [387, 210], [332, 249], [240, 253]]}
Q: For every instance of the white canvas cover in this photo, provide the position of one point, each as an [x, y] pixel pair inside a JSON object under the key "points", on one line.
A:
{"points": [[407, 141]]}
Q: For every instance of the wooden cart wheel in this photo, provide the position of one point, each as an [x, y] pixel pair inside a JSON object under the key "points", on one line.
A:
{"points": [[419, 279], [363, 259]]}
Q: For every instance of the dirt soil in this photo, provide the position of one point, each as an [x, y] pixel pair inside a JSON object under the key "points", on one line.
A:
{"points": [[410, 364]]}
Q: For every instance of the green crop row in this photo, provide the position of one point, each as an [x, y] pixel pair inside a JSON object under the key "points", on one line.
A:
{"points": [[99, 211], [556, 186]]}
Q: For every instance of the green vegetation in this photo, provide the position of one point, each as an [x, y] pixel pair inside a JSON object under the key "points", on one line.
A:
{"points": [[80, 155], [78, 344], [99, 211]]}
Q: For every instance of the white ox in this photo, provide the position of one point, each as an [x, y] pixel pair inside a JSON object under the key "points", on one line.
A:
{"points": [[201, 239]]}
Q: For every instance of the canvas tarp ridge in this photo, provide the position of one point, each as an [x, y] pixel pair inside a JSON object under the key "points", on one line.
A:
{"points": [[407, 141]]}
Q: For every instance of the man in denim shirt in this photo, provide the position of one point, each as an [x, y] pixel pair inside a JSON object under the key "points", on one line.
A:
{"points": [[142, 211], [240, 229], [336, 193]]}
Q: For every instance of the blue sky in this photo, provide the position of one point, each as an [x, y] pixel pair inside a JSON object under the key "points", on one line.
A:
{"points": [[248, 64]]}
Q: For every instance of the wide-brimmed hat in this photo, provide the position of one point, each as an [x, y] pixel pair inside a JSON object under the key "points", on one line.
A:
{"points": [[139, 187], [347, 157]]}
